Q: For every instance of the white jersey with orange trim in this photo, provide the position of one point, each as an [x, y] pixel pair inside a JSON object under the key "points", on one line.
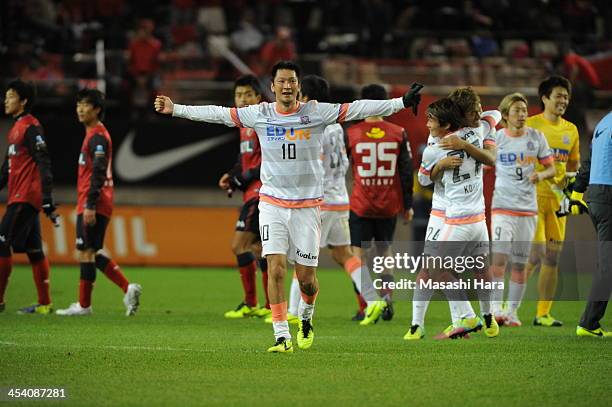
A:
{"points": [[438, 199], [517, 157], [463, 187], [335, 164], [291, 167]]}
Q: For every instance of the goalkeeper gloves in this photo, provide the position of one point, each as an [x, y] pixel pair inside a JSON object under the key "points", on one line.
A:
{"points": [[412, 98], [572, 205]]}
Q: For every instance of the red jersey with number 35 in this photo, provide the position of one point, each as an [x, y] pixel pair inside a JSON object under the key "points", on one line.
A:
{"points": [[95, 184], [250, 159], [374, 148]]}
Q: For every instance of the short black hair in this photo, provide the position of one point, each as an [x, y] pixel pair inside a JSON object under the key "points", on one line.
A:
{"points": [[93, 97], [248, 80], [374, 92], [26, 91], [548, 84], [289, 65], [316, 88], [447, 112]]}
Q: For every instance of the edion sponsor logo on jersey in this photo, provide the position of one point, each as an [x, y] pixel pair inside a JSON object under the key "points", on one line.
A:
{"points": [[517, 158], [280, 133]]}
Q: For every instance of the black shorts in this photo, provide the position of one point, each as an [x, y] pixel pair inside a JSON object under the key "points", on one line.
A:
{"points": [[20, 228], [248, 221], [368, 229], [91, 237]]}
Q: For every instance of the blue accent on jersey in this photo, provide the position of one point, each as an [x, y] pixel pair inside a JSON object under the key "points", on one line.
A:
{"points": [[601, 152]]}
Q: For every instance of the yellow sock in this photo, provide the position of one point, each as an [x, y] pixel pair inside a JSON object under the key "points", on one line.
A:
{"points": [[547, 287]]}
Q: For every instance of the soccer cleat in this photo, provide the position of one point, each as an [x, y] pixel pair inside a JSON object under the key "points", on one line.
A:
{"points": [[74, 309], [2, 307], [305, 335], [388, 312], [491, 328], [512, 319], [36, 309], [241, 311], [373, 313], [461, 329], [594, 333], [547, 320], [131, 299], [359, 316], [500, 318], [292, 319], [282, 345], [262, 312], [415, 333]]}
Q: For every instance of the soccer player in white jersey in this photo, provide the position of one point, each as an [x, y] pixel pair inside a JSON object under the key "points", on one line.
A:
{"points": [[292, 181], [335, 232], [462, 181], [515, 207]]}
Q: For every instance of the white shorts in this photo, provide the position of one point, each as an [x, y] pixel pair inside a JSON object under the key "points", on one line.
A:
{"points": [[335, 228], [294, 232], [433, 232], [475, 235], [512, 235]]}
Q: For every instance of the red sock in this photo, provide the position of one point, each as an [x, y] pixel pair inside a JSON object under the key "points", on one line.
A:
{"points": [[40, 272], [264, 280], [247, 274], [113, 272], [362, 303], [6, 266], [85, 289]]}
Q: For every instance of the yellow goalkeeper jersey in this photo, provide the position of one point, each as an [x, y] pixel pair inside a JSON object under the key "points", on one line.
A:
{"points": [[564, 141]]}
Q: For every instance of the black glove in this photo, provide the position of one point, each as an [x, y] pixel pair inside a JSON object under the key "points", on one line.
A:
{"points": [[49, 207], [412, 98], [238, 182]]}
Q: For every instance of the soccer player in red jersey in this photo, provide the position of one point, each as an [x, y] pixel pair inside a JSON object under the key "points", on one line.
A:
{"points": [[244, 176], [27, 171], [382, 188], [95, 206]]}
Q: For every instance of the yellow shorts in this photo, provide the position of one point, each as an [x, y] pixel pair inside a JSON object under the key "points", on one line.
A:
{"points": [[550, 228]]}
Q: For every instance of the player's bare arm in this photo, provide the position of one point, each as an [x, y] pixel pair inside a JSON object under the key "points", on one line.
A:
{"points": [[484, 155], [224, 183], [548, 172], [443, 165]]}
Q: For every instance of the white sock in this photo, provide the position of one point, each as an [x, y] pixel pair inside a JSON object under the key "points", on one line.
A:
{"points": [[305, 310], [516, 291], [497, 296], [294, 297], [420, 302], [365, 286], [281, 329], [464, 309]]}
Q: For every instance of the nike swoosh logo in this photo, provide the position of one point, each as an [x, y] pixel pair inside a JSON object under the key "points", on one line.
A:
{"points": [[598, 132], [133, 167], [599, 333]]}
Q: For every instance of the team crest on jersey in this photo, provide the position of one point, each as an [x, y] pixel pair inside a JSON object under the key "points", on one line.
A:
{"points": [[375, 133], [304, 119], [12, 150], [566, 139], [530, 146]]}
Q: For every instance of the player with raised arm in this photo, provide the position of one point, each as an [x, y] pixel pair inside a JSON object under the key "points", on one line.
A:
{"points": [[244, 176], [335, 232], [382, 189], [514, 208], [27, 171], [95, 206], [563, 139], [292, 181], [463, 188]]}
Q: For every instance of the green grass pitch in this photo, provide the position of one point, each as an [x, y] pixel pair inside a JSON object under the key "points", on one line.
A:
{"points": [[180, 351]]}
